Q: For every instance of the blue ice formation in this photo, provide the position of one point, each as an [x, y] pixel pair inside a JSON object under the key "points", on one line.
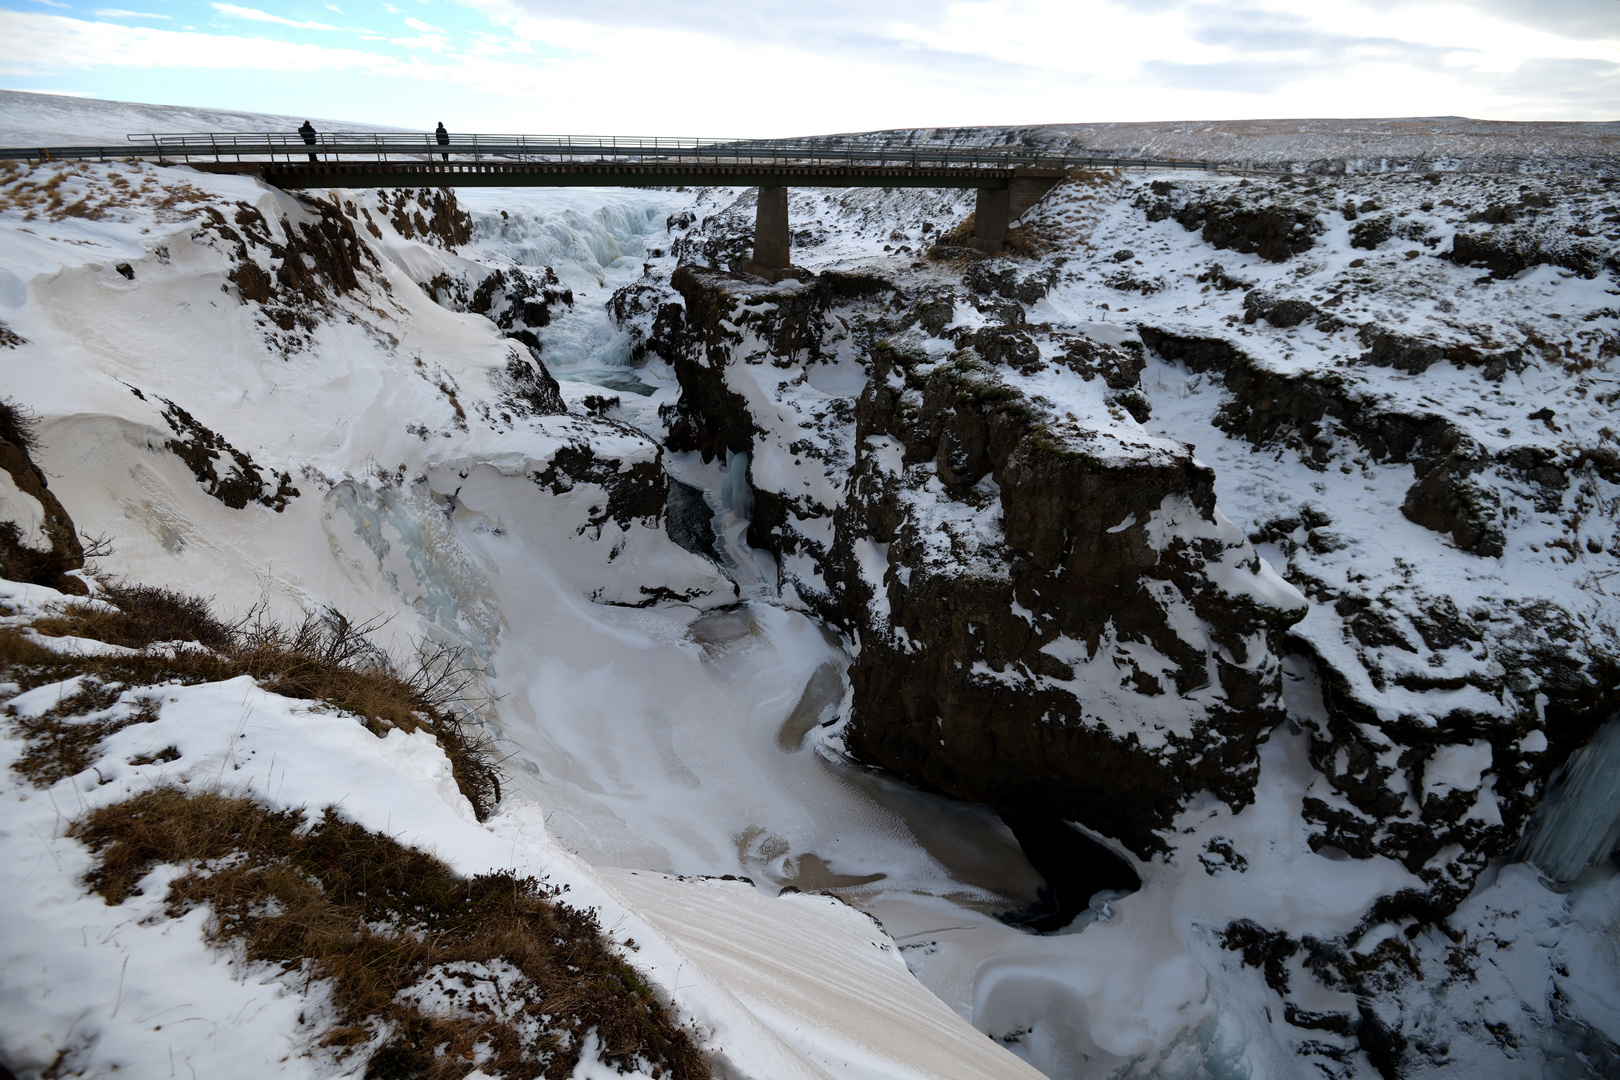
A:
{"points": [[1578, 822], [735, 494]]}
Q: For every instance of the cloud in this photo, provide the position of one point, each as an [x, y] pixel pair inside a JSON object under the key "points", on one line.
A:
{"points": [[1580, 20], [855, 28], [1259, 32], [1232, 76], [54, 4], [1556, 89], [847, 66], [255, 15]]}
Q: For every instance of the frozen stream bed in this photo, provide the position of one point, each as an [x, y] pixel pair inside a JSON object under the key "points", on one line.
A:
{"points": [[686, 746]]}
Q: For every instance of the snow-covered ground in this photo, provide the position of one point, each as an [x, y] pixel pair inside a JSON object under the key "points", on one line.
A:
{"points": [[670, 739], [647, 738]]}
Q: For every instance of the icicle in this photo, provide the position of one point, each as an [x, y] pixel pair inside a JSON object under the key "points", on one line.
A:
{"points": [[1578, 821], [735, 494]]}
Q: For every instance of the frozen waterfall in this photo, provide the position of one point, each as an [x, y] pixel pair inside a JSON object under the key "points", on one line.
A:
{"points": [[1578, 822], [735, 494]]}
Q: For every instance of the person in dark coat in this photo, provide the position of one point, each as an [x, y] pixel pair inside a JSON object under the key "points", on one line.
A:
{"points": [[442, 137], [308, 132]]}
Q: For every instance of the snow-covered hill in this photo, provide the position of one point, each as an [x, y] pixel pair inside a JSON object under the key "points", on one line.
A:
{"points": [[62, 120], [1265, 525]]}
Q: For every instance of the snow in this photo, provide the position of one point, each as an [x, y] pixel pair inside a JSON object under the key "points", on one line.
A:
{"points": [[19, 506], [647, 743], [28, 119], [1456, 767], [721, 950]]}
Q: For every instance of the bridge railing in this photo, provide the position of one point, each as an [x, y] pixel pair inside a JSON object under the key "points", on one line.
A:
{"points": [[366, 146]]}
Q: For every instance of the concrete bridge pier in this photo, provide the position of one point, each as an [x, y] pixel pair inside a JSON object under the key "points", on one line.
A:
{"points": [[771, 237], [997, 208]]}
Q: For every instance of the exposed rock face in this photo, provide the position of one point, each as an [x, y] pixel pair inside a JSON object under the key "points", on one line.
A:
{"points": [[1048, 609], [517, 299], [294, 270], [38, 541], [1049, 612], [636, 491], [1490, 677], [431, 215], [746, 354], [206, 452], [1506, 252], [1248, 222]]}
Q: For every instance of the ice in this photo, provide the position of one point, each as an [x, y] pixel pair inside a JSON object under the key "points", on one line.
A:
{"points": [[1578, 822], [736, 495]]}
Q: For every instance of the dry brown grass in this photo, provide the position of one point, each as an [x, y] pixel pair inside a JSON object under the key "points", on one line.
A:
{"points": [[83, 190], [333, 901], [324, 658], [66, 739]]}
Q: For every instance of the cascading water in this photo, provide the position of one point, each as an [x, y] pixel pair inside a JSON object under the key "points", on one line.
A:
{"points": [[596, 241]]}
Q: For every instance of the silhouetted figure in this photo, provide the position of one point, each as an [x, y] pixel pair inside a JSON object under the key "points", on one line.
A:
{"points": [[308, 132], [443, 138]]}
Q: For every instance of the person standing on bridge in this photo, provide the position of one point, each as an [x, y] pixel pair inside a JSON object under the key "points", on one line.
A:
{"points": [[308, 132], [442, 137]]}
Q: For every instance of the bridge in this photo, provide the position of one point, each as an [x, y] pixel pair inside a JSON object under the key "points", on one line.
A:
{"points": [[1008, 179]]}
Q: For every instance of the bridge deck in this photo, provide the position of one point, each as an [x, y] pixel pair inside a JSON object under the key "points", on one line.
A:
{"points": [[614, 174], [366, 159]]}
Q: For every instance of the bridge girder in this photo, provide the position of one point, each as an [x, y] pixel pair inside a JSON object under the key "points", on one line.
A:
{"points": [[458, 174]]}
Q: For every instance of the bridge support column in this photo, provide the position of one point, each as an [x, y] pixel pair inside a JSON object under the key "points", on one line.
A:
{"points": [[998, 208], [771, 237], [1025, 191], [990, 218]]}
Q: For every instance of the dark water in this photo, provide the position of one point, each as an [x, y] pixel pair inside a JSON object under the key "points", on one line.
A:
{"points": [[689, 521], [621, 379], [1074, 866]]}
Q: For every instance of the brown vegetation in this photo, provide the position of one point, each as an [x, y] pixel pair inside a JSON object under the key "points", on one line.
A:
{"points": [[324, 658], [88, 190], [381, 922]]}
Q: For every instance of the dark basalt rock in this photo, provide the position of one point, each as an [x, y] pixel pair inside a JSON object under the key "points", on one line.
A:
{"points": [[1557, 673], [638, 494], [690, 521], [1120, 368], [1447, 500], [19, 560], [527, 388], [999, 278], [205, 451], [1508, 252], [1274, 230], [957, 686], [1028, 658], [1370, 233], [1284, 313], [311, 263], [431, 215]]}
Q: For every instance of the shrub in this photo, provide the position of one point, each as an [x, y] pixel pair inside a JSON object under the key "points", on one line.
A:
{"points": [[384, 922], [326, 657]]}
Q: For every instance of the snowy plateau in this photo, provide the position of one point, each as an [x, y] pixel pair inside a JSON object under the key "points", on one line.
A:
{"points": [[1184, 645]]}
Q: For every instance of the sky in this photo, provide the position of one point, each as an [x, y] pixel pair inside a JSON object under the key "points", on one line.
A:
{"points": [[798, 67]]}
